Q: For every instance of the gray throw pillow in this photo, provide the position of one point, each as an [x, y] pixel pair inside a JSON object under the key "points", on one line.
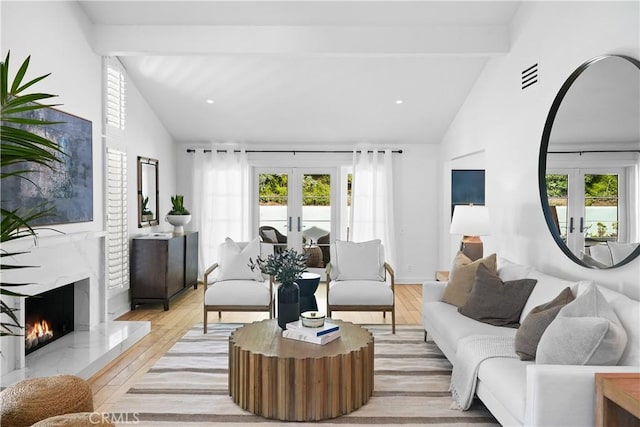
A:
{"points": [[534, 325], [585, 332], [496, 302]]}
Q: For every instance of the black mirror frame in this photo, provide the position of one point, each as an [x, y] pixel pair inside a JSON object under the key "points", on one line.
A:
{"points": [[542, 163], [155, 220]]}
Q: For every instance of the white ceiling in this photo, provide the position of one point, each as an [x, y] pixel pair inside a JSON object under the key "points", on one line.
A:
{"points": [[298, 72]]}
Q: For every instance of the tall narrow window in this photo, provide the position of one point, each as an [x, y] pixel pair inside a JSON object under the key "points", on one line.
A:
{"points": [[115, 96], [118, 235]]}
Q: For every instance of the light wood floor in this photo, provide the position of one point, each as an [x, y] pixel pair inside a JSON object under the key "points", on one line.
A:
{"points": [[167, 327]]}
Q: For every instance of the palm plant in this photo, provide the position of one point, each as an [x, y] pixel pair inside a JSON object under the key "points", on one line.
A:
{"points": [[177, 206], [20, 150]]}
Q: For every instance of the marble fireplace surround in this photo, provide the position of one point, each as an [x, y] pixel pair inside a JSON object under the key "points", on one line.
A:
{"points": [[77, 258]]}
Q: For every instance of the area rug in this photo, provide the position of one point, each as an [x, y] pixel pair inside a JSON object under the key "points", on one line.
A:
{"points": [[188, 386]]}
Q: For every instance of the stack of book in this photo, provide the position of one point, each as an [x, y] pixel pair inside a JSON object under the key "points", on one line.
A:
{"points": [[321, 335]]}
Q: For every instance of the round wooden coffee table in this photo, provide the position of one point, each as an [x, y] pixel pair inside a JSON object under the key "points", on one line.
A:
{"points": [[285, 379]]}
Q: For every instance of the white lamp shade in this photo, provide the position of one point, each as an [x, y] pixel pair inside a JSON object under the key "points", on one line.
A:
{"points": [[470, 220]]}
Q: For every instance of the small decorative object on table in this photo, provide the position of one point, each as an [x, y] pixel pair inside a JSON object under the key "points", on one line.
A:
{"points": [[178, 216], [312, 319], [323, 334], [327, 328], [287, 267]]}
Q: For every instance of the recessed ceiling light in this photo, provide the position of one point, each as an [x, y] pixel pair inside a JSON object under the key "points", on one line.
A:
{"points": [[210, 101], [399, 101]]}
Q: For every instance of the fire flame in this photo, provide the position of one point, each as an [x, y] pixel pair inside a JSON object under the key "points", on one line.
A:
{"points": [[38, 333]]}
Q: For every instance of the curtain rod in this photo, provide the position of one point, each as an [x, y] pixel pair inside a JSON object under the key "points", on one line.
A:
{"points": [[192, 150], [593, 151]]}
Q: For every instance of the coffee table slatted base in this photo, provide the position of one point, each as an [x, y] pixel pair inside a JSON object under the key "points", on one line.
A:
{"points": [[301, 388]]}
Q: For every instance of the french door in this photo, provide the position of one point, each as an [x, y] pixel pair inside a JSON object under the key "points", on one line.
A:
{"points": [[589, 206], [298, 203]]}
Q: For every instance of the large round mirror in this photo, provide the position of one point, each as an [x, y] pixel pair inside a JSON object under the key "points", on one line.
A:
{"points": [[589, 165]]}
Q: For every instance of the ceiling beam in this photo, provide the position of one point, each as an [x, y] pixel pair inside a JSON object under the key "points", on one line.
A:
{"points": [[122, 40]]}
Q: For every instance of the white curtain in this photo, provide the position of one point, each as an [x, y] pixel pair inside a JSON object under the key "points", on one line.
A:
{"points": [[372, 200], [221, 201]]}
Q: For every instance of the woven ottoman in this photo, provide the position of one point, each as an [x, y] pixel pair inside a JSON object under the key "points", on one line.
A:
{"points": [[82, 419], [29, 401]]}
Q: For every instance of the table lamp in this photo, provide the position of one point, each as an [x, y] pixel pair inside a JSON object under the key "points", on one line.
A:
{"points": [[470, 221]]}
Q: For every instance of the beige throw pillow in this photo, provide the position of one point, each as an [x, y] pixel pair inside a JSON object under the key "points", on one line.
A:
{"points": [[463, 274]]}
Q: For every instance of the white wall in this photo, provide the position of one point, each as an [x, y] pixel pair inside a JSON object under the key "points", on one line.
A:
{"points": [[62, 50], [58, 41], [417, 201], [507, 122], [145, 136]]}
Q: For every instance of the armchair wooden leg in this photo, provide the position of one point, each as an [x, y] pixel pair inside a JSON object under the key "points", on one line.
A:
{"points": [[393, 320], [384, 314], [219, 315], [205, 320]]}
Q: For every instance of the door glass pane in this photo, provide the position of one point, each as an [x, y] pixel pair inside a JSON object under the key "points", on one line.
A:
{"points": [[601, 208], [558, 192], [273, 199], [316, 218]]}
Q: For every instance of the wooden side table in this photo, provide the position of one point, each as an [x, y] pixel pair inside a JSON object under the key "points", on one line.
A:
{"points": [[291, 380], [617, 399]]}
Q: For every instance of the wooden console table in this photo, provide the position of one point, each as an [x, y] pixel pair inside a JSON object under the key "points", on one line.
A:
{"points": [[279, 378], [163, 266], [617, 399]]}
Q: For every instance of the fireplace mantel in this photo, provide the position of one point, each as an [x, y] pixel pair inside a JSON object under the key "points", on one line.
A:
{"points": [[58, 260]]}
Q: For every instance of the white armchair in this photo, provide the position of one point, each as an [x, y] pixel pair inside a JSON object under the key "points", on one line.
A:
{"points": [[231, 285], [358, 279]]}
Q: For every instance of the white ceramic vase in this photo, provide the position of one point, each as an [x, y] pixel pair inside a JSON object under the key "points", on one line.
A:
{"points": [[178, 222]]}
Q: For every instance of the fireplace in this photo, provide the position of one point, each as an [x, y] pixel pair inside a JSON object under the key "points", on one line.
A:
{"points": [[48, 316]]}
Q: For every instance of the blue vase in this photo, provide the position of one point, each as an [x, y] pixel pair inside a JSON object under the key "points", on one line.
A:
{"points": [[288, 304]]}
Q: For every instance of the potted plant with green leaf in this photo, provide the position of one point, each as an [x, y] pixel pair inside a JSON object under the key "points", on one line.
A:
{"points": [[178, 216], [286, 267], [22, 149], [147, 215]]}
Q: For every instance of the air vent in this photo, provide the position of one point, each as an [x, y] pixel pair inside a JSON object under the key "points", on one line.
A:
{"points": [[530, 76]]}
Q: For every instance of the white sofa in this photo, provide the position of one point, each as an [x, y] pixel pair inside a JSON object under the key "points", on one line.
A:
{"points": [[523, 392]]}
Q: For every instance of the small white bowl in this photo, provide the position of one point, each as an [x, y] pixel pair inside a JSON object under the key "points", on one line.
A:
{"points": [[312, 319]]}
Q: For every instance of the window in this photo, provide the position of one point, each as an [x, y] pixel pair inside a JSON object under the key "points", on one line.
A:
{"points": [[115, 95], [117, 231]]}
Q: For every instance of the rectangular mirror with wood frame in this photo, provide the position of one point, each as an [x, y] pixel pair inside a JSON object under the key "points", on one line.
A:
{"points": [[148, 204]]}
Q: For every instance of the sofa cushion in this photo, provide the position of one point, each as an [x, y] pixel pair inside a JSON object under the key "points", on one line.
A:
{"points": [[536, 323], [238, 292], [360, 292], [462, 276], [234, 261], [452, 326], [506, 378], [585, 332], [496, 302]]}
